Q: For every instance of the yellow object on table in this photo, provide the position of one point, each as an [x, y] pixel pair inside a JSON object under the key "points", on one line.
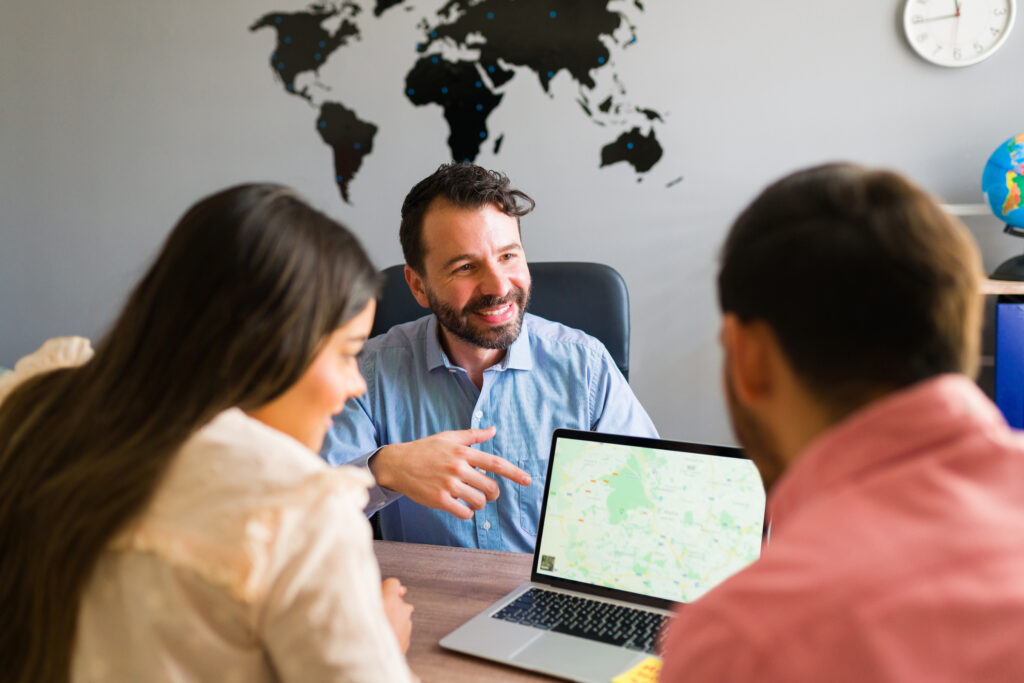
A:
{"points": [[645, 672]]}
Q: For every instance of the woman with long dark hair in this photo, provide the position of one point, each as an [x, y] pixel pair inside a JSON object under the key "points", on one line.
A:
{"points": [[163, 512]]}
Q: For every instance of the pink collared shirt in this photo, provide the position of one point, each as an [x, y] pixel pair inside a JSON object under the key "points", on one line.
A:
{"points": [[897, 554]]}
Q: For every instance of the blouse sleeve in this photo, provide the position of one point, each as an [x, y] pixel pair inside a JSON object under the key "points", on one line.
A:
{"points": [[323, 617], [60, 352]]}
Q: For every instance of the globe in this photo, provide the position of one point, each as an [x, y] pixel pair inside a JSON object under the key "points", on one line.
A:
{"points": [[1003, 182]]}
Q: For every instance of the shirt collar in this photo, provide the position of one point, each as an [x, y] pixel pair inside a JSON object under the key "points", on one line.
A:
{"points": [[905, 425], [519, 356]]}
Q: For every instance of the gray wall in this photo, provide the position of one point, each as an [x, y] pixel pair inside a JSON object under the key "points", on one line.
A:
{"points": [[115, 116]]}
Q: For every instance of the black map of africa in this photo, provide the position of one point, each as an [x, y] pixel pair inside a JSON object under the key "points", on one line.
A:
{"points": [[507, 38]]}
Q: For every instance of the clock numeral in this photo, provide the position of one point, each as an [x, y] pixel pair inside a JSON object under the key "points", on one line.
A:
{"points": [[1000, 11], [995, 31], [957, 54], [916, 19], [978, 47], [921, 37], [938, 48]]}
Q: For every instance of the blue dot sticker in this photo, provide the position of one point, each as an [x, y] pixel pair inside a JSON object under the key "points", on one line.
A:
{"points": [[323, 124], [355, 146], [280, 65], [322, 44], [339, 178], [490, 15], [479, 107], [629, 145], [551, 74], [600, 60], [444, 91], [410, 91], [317, 56], [490, 69], [287, 40], [479, 84], [434, 60], [277, 20], [483, 134], [553, 14], [433, 34]]}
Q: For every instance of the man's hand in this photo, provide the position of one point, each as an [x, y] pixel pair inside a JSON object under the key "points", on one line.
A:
{"points": [[398, 611], [439, 470]]}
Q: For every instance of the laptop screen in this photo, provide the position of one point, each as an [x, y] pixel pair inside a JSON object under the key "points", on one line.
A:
{"points": [[662, 519]]}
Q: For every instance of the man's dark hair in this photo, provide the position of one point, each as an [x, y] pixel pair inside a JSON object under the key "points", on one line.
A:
{"points": [[466, 186], [867, 283]]}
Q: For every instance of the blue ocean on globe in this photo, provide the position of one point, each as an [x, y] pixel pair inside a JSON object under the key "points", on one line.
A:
{"points": [[1003, 181]]}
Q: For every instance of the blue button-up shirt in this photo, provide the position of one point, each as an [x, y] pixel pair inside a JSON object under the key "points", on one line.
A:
{"points": [[552, 376]]}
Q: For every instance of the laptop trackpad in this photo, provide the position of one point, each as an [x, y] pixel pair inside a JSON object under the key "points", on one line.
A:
{"points": [[576, 658]]}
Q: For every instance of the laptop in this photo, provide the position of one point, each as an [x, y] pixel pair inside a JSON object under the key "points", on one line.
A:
{"points": [[629, 527]]}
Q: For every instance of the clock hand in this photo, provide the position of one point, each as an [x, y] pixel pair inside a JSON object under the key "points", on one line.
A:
{"points": [[956, 27], [944, 16]]}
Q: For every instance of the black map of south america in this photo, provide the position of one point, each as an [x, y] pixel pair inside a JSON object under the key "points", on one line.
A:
{"points": [[469, 50]]}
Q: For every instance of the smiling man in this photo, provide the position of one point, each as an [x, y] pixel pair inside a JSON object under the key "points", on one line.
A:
{"points": [[460, 405]]}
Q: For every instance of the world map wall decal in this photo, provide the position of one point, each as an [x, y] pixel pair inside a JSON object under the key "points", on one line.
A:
{"points": [[466, 54]]}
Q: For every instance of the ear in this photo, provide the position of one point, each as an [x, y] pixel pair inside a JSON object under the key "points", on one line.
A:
{"points": [[748, 358], [415, 283]]}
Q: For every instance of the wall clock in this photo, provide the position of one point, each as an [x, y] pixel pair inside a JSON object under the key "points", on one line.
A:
{"points": [[958, 32]]}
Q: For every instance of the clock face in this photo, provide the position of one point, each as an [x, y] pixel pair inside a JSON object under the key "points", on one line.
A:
{"points": [[958, 32]]}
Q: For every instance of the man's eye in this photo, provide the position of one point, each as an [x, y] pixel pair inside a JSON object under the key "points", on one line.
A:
{"points": [[464, 268]]}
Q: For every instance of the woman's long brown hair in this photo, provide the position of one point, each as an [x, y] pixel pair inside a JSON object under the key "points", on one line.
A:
{"points": [[231, 313]]}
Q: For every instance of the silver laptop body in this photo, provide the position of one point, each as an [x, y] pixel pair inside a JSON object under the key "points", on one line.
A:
{"points": [[637, 522]]}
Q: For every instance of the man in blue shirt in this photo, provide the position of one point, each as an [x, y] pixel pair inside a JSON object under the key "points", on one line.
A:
{"points": [[460, 405]]}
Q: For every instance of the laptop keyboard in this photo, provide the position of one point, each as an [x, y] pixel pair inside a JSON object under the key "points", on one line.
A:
{"points": [[636, 629]]}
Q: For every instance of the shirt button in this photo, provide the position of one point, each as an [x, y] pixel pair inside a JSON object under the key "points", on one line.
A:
{"points": [[487, 525], [479, 414]]}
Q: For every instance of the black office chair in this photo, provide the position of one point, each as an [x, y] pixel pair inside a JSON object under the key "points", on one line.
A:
{"points": [[589, 296]]}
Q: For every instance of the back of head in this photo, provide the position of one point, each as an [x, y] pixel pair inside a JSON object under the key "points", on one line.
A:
{"points": [[463, 184], [868, 285], [244, 291]]}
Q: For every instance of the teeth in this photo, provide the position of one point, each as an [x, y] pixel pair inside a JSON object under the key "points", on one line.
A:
{"points": [[496, 311]]}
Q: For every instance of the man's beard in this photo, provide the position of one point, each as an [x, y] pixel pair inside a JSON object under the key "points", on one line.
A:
{"points": [[757, 441], [460, 323]]}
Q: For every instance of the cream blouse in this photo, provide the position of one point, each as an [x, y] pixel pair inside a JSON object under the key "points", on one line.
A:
{"points": [[253, 562]]}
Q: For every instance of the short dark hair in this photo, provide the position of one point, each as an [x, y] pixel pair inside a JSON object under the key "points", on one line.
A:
{"points": [[465, 185], [867, 283]]}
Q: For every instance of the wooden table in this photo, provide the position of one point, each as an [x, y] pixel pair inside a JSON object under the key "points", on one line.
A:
{"points": [[448, 586]]}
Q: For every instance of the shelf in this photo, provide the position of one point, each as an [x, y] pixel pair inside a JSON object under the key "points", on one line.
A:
{"points": [[989, 286]]}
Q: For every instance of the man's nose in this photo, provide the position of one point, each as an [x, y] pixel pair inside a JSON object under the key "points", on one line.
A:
{"points": [[494, 282]]}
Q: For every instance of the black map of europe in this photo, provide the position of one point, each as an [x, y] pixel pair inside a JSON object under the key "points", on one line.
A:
{"points": [[464, 56]]}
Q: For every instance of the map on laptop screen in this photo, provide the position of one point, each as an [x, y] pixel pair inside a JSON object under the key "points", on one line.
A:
{"points": [[662, 523]]}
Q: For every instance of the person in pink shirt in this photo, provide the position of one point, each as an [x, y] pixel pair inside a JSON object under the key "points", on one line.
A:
{"points": [[851, 325]]}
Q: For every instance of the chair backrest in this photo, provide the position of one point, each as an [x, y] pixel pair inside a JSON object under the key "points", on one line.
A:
{"points": [[588, 296]]}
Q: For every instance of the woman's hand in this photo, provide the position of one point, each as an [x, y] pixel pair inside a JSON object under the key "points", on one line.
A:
{"points": [[398, 611]]}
